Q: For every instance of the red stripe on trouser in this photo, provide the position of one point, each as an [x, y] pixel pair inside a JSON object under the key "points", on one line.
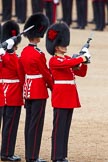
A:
{"points": [[37, 131], [55, 133], [10, 130], [54, 12]]}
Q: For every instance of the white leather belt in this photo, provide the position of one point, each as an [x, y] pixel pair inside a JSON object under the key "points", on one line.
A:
{"points": [[11, 80], [33, 76], [64, 81], [1, 80]]}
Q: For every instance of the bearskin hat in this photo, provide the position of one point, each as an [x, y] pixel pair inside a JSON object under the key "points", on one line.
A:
{"points": [[10, 29], [40, 22], [58, 34]]}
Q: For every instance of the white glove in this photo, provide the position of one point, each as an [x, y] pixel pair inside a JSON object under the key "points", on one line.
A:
{"points": [[10, 43], [86, 53], [56, 1], [2, 51]]}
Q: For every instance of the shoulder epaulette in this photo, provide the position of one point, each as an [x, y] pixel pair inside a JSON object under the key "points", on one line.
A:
{"points": [[39, 50]]}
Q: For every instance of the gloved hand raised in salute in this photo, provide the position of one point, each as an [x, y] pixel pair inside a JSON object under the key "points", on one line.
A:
{"points": [[10, 43], [86, 54]]}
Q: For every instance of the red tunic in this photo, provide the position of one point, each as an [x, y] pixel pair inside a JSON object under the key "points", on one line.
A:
{"points": [[12, 80], [36, 73], [2, 103], [65, 95]]}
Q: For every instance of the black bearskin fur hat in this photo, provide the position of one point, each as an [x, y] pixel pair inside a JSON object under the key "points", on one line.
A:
{"points": [[10, 29], [40, 22], [58, 34]]}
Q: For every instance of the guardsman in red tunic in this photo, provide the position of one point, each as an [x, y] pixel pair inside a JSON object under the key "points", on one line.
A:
{"points": [[13, 92], [2, 99], [64, 95], [37, 79]]}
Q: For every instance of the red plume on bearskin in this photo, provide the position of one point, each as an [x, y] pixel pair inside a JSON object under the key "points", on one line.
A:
{"points": [[14, 33], [52, 34]]}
